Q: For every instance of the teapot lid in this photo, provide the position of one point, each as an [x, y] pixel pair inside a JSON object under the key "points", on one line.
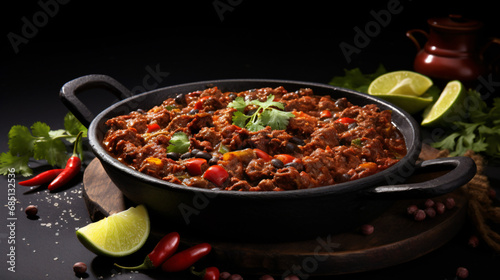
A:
{"points": [[455, 22]]}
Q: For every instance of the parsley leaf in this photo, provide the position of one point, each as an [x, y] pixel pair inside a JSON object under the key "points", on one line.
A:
{"points": [[20, 140], [264, 115], [20, 164], [276, 119], [356, 80], [40, 143], [479, 131], [179, 143]]}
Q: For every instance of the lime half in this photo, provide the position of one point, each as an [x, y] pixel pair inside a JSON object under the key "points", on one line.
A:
{"points": [[400, 83], [118, 235], [448, 106], [411, 104]]}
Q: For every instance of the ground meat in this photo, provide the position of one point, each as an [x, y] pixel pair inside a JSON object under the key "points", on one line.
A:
{"points": [[315, 149], [258, 169]]}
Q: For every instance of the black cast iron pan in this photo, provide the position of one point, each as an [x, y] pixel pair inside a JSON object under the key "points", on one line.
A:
{"points": [[263, 215]]}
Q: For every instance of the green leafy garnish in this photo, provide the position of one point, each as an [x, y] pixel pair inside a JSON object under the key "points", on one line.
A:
{"points": [[479, 131], [357, 80], [179, 143], [40, 143], [266, 114]]}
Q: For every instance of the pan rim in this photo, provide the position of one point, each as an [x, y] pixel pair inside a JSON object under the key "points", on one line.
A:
{"points": [[413, 146]]}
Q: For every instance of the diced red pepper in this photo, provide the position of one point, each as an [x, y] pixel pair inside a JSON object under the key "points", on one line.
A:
{"points": [[345, 120], [199, 104], [153, 127], [216, 174], [263, 155], [195, 166], [285, 158], [325, 114]]}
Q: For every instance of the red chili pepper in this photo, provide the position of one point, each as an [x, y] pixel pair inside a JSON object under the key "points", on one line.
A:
{"points": [[263, 155], [153, 127], [209, 273], [325, 114], [216, 174], [165, 248], [345, 120], [185, 259], [199, 104], [41, 178], [72, 168], [285, 158], [195, 166]]}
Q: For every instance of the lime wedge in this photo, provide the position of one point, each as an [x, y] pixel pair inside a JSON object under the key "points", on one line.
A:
{"points": [[118, 235], [411, 104], [448, 106], [400, 83]]}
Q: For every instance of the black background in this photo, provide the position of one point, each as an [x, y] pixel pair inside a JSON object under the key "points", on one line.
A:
{"points": [[297, 40]]}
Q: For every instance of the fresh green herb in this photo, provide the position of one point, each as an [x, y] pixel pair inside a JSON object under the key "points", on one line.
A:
{"points": [[39, 143], [357, 142], [356, 80], [264, 115], [179, 143], [479, 131]]}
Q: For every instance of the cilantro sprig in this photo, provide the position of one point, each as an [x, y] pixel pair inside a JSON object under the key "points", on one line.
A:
{"points": [[266, 114], [40, 143], [479, 132], [179, 143]]}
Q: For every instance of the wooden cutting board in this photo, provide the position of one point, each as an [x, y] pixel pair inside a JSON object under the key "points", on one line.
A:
{"points": [[397, 237]]}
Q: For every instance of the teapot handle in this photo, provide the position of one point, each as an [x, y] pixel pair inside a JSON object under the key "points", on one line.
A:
{"points": [[490, 42], [409, 34]]}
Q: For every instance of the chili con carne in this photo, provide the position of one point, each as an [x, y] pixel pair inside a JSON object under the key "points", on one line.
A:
{"points": [[326, 142]]}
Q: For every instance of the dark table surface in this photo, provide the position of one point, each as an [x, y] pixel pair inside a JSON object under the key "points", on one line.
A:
{"points": [[146, 46]]}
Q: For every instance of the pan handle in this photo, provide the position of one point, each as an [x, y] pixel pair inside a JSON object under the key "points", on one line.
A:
{"points": [[463, 169], [69, 91]]}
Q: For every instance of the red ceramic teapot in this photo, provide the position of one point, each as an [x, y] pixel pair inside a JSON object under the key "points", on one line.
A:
{"points": [[451, 51]]}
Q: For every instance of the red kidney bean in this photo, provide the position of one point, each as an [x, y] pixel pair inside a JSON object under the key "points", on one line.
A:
{"points": [[31, 211], [367, 229], [430, 212], [224, 275], [440, 207], [462, 272], [429, 203], [473, 241], [450, 203], [411, 209], [80, 268], [419, 215]]}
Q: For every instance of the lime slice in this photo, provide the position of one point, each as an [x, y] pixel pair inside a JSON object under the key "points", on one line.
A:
{"points": [[118, 235], [448, 106], [411, 104], [401, 83]]}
